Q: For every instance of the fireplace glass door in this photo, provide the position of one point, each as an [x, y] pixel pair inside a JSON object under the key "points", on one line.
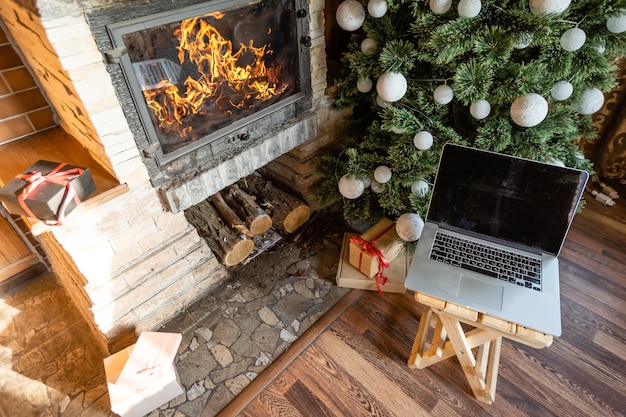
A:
{"points": [[194, 74]]}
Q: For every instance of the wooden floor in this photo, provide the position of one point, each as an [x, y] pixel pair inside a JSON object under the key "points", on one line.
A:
{"points": [[353, 361]]}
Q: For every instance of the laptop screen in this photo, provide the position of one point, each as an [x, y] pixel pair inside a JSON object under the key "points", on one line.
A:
{"points": [[516, 200]]}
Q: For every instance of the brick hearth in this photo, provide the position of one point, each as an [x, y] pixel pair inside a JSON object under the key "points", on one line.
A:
{"points": [[133, 262]]}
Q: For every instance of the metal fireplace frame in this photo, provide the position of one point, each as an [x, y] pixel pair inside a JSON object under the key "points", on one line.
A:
{"points": [[226, 141]]}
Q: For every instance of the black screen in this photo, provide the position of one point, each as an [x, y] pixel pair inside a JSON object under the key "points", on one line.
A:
{"points": [[508, 198]]}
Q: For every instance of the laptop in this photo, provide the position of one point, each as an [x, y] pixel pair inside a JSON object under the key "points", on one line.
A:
{"points": [[493, 230]]}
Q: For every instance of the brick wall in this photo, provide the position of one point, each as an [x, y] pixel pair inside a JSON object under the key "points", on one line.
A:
{"points": [[130, 265], [23, 108]]}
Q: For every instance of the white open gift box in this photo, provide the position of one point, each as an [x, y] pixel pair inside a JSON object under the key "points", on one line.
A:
{"points": [[142, 377]]}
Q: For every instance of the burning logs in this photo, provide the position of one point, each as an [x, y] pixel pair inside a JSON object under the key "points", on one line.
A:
{"points": [[230, 219]]}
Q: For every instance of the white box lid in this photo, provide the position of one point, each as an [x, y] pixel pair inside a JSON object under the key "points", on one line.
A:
{"points": [[153, 353]]}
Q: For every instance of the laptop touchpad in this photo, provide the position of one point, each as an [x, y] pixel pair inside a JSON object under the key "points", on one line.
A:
{"points": [[480, 292]]}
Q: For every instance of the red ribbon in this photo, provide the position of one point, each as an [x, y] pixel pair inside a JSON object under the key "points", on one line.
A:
{"points": [[370, 247], [56, 176]]}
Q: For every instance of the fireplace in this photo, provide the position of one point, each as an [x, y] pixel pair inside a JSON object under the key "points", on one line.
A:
{"points": [[131, 260], [206, 76], [202, 83]]}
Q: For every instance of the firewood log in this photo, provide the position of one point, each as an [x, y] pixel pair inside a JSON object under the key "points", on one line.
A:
{"points": [[228, 244], [228, 214], [288, 212], [242, 203]]}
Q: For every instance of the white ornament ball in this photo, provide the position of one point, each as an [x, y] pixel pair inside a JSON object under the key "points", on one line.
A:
{"points": [[381, 103], [377, 8], [350, 15], [369, 46], [420, 187], [469, 8], [480, 109], [538, 7], [529, 110], [523, 40], [423, 140], [382, 174], [350, 188], [365, 85], [398, 130], [377, 187], [440, 6], [591, 101], [573, 39], [617, 24], [391, 86], [409, 227], [443, 94], [562, 90]]}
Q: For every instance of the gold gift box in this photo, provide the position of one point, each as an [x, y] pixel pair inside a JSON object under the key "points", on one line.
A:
{"points": [[350, 277], [384, 237]]}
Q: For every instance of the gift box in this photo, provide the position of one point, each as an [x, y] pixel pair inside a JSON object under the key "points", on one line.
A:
{"points": [[350, 277], [47, 191], [379, 243], [143, 377]]}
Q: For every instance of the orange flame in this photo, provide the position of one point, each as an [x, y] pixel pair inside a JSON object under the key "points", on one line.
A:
{"points": [[221, 75]]}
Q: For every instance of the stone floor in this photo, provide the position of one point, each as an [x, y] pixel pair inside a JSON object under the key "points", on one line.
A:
{"points": [[50, 366]]}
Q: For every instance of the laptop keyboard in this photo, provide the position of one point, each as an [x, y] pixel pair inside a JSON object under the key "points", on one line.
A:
{"points": [[497, 263]]}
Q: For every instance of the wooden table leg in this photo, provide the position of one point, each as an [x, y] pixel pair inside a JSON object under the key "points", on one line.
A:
{"points": [[449, 339], [426, 353], [492, 369], [417, 353], [423, 355], [482, 374]]}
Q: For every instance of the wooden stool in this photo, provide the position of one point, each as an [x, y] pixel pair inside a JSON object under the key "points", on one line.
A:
{"points": [[449, 338]]}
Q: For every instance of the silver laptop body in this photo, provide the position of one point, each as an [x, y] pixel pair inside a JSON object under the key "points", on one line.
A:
{"points": [[488, 210]]}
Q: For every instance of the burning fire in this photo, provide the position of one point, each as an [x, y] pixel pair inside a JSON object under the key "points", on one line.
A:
{"points": [[227, 79]]}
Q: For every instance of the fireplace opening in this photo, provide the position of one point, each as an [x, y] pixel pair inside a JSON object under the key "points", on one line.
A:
{"points": [[208, 78]]}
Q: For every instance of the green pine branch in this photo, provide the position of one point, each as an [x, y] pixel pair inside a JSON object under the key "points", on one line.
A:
{"points": [[480, 58]]}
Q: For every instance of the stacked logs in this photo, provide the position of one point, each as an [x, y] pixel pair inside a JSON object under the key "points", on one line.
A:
{"points": [[230, 219]]}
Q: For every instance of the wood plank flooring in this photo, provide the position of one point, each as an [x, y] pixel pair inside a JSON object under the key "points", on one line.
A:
{"points": [[353, 362]]}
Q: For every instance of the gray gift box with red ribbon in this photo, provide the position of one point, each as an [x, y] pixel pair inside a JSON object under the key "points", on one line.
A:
{"points": [[47, 190]]}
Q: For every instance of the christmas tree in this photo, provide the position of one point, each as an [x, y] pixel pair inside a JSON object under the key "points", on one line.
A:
{"points": [[518, 77]]}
